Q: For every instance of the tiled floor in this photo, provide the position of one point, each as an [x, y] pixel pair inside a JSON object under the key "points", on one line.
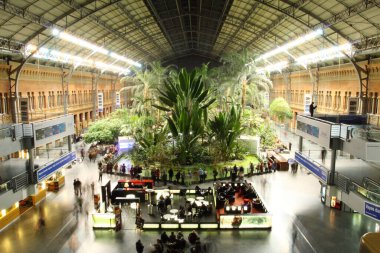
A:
{"points": [[300, 222]]}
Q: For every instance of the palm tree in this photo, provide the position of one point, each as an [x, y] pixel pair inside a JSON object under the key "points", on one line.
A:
{"points": [[145, 81], [242, 77]]}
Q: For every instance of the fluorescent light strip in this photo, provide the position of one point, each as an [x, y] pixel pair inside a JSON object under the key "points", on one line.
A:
{"points": [[304, 60], [274, 67], [292, 44], [54, 55], [83, 43], [325, 54]]}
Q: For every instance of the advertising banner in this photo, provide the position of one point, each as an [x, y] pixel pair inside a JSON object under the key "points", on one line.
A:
{"points": [[117, 99], [246, 221], [100, 102], [307, 102], [314, 168], [46, 171], [372, 210], [126, 144]]}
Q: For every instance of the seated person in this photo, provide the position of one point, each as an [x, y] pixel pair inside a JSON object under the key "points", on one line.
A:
{"points": [[203, 210], [181, 212], [164, 237], [158, 247], [161, 206], [193, 237], [172, 238], [179, 235], [197, 248], [181, 243], [168, 202]]}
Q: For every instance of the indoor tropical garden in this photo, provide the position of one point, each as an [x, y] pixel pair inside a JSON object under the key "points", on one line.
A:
{"points": [[208, 117]]}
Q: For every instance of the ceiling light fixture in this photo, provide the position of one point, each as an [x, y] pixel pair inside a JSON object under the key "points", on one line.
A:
{"points": [[83, 43], [57, 56], [273, 67], [290, 45], [325, 54]]}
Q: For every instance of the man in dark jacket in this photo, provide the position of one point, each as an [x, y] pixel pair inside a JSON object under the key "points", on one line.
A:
{"points": [[171, 173], [311, 109], [139, 246]]}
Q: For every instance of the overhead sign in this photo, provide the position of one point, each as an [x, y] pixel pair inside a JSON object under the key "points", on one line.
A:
{"points": [[314, 168], [372, 210], [100, 102], [117, 99], [49, 169], [46, 131], [315, 130], [307, 103], [126, 144]]}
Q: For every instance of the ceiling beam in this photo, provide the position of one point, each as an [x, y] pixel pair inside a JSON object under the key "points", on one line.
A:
{"points": [[127, 13], [242, 23], [286, 12], [180, 21], [87, 12], [158, 20], [44, 28]]}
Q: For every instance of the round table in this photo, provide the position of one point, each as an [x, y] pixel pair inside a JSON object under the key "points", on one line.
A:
{"points": [[191, 200], [167, 216], [173, 211], [198, 203], [204, 202], [200, 198]]}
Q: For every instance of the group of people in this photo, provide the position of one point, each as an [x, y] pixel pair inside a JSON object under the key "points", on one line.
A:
{"points": [[168, 176], [235, 172], [174, 243]]}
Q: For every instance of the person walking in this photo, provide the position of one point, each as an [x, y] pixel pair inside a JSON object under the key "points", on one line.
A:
{"points": [[312, 108], [290, 146], [177, 176], [139, 246], [183, 175], [171, 174], [100, 175], [82, 154], [323, 154], [215, 173]]}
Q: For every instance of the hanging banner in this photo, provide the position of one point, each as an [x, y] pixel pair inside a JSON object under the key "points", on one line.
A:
{"points": [[100, 102], [24, 110], [307, 102], [117, 99]]}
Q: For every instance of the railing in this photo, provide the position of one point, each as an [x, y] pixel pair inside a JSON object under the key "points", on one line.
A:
{"points": [[20, 181], [6, 186], [347, 185]]}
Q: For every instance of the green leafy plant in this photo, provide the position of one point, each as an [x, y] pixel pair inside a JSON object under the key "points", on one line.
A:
{"points": [[185, 100], [280, 109], [226, 127]]}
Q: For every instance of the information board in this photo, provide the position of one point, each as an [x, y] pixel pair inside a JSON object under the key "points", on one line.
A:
{"points": [[314, 130], [372, 210], [314, 168], [46, 131], [49, 169]]}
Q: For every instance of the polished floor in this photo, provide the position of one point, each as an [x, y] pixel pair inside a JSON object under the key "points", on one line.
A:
{"points": [[300, 222]]}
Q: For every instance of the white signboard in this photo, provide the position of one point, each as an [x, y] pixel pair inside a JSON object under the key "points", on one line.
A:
{"points": [[100, 102], [307, 102], [117, 99], [53, 129]]}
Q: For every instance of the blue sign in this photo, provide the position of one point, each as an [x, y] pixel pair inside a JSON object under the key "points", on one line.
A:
{"points": [[126, 145], [56, 165], [316, 169], [372, 210]]}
